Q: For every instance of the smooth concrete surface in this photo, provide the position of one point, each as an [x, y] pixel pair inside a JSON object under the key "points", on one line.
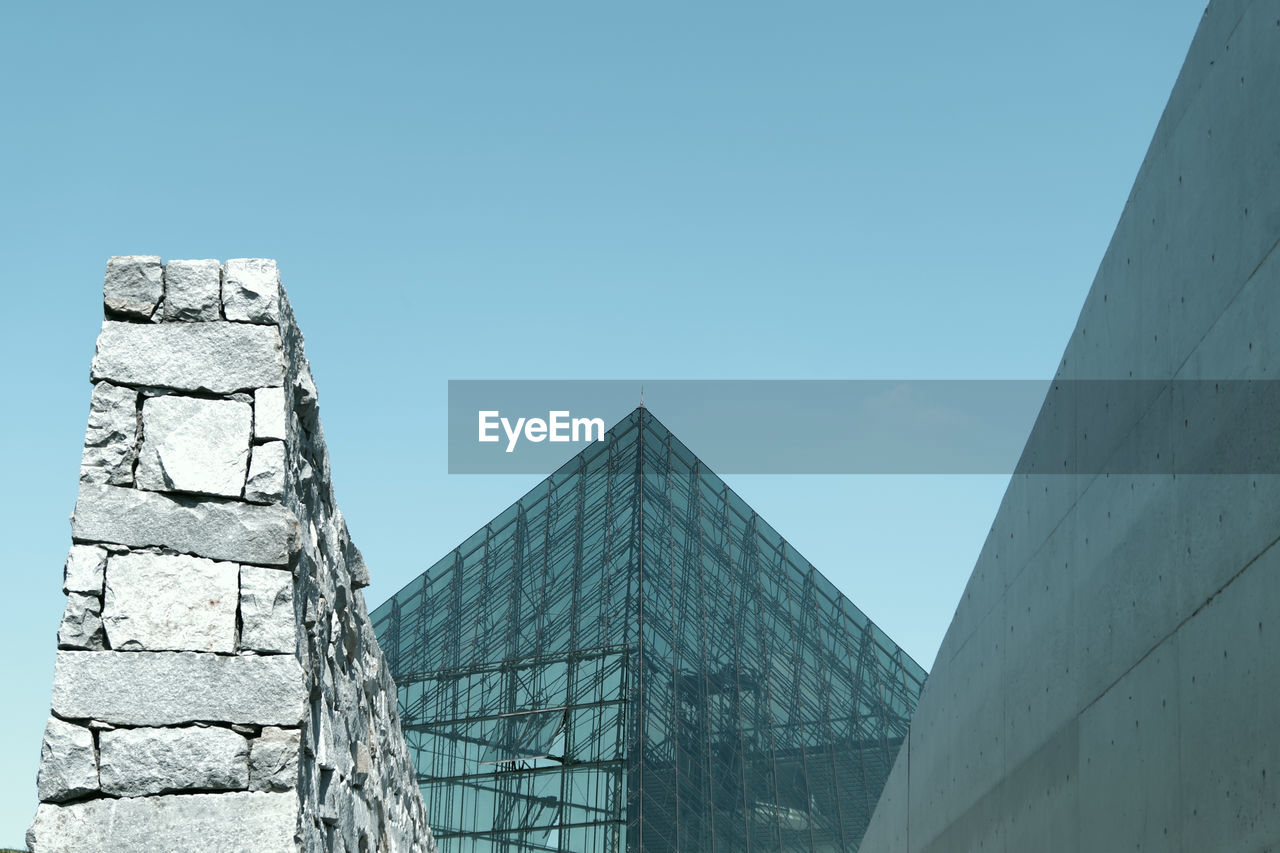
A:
{"points": [[1111, 675]]}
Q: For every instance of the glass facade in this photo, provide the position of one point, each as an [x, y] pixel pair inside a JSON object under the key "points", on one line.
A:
{"points": [[630, 659]]}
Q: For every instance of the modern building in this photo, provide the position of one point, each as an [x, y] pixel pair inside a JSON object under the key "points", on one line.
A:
{"points": [[1109, 680], [630, 659]]}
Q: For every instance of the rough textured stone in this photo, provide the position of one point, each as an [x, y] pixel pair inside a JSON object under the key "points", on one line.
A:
{"points": [[220, 357], [267, 620], [83, 569], [68, 762], [356, 566], [306, 399], [136, 762], [303, 714], [354, 699], [166, 688], [251, 290], [192, 290], [171, 602], [111, 440], [269, 414], [194, 445], [133, 285], [81, 626], [243, 533], [360, 765], [266, 473], [240, 822], [273, 760]]}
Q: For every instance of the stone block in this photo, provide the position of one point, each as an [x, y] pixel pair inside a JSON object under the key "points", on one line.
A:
{"points": [[329, 797], [266, 473], [68, 762], [168, 688], [192, 291], [306, 397], [81, 626], [269, 416], [236, 822], [159, 602], [273, 759], [111, 439], [267, 620], [133, 285], [356, 567], [83, 569], [242, 533], [220, 357], [137, 762], [194, 445], [207, 679], [360, 765], [251, 290]]}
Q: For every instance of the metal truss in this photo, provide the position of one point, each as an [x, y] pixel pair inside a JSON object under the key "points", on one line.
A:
{"points": [[630, 659]]}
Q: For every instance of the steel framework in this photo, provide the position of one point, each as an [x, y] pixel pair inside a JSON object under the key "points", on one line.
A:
{"points": [[630, 659]]}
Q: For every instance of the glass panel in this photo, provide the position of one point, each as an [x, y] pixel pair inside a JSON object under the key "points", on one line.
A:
{"points": [[529, 735], [628, 658]]}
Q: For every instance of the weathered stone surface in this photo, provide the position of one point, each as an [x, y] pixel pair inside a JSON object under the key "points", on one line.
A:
{"points": [[273, 760], [137, 762], [354, 698], [251, 290], [81, 626], [166, 688], [220, 357], [240, 532], [192, 290], [356, 567], [133, 285], [266, 473], [267, 620], [111, 439], [171, 602], [68, 762], [360, 765], [194, 445], [83, 569], [174, 722], [269, 414], [328, 807], [306, 398], [239, 822]]}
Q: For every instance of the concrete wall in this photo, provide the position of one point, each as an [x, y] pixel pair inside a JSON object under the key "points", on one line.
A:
{"points": [[218, 685], [1110, 678]]}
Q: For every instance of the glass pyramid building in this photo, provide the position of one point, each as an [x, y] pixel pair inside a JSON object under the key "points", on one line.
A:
{"points": [[630, 659]]}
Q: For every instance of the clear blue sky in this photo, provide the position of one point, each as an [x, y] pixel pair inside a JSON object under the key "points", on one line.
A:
{"points": [[566, 190]]}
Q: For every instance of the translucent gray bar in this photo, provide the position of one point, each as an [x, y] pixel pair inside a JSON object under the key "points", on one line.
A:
{"points": [[1082, 427]]}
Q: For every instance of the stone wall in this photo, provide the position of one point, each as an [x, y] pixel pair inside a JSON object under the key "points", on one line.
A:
{"points": [[1109, 679], [218, 686]]}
